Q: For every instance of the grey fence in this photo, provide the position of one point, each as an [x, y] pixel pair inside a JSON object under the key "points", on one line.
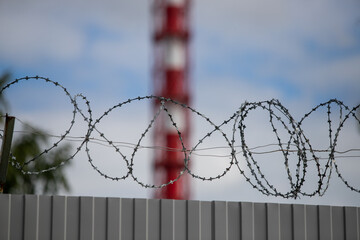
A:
{"points": [[61, 217]]}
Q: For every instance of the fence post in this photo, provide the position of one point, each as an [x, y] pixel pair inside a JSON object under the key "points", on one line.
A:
{"points": [[5, 149]]}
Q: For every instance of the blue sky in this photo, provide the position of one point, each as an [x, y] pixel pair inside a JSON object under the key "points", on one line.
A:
{"points": [[300, 52]]}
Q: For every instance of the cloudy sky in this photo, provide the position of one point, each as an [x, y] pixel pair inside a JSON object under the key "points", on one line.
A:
{"points": [[300, 52]]}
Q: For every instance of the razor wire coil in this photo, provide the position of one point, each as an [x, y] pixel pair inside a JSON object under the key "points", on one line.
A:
{"points": [[278, 114]]}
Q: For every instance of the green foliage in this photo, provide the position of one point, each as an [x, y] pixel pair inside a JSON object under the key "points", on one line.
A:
{"points": [[28, 144]]}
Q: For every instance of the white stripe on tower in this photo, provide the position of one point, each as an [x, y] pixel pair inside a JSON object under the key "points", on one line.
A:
{"points": [[175, 2], [178, 115], [174, 54]]}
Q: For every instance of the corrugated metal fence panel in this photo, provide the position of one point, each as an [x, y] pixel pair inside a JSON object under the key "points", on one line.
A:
{"points": [[60, 217], [193, 223], [5, 210]]}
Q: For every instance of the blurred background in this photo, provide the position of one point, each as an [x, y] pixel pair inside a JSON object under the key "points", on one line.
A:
{"points": [[300, 52]]}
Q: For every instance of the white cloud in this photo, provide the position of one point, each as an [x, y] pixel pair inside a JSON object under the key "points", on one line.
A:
{"points": [[339, 72], [28, 39], [41, 31], [130, 53], [291, 40], [326, 21]]}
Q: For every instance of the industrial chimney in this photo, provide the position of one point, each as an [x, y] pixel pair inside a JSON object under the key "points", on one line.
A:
{"points": [[171, 80]]}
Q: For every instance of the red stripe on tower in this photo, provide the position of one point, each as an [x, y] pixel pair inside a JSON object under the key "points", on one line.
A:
{"points": [[171, 80]]}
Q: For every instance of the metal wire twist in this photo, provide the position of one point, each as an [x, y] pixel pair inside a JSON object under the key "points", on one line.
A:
{"points": [[256, 177]]}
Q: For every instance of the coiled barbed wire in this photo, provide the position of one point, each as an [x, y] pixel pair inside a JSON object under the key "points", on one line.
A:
{"points": [[297, 142]]}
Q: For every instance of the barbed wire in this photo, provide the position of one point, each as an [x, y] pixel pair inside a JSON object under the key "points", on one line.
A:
{"points": [[279, 118]]}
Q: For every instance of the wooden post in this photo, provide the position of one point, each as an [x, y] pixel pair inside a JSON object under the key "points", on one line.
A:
{"points": [[5, 149]]}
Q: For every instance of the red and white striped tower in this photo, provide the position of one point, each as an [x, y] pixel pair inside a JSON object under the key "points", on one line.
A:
{"points": [[171, 80]]}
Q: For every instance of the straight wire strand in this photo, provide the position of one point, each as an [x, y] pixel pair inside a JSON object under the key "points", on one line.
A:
{"points": [[101, 142], [297, 146]]}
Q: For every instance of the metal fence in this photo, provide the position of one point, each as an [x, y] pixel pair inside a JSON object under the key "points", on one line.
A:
{"points": [[61, 217]]}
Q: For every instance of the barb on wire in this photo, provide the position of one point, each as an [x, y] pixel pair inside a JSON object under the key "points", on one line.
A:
{"points": [[279, 118]]}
